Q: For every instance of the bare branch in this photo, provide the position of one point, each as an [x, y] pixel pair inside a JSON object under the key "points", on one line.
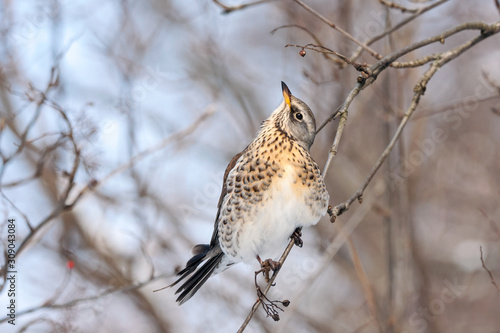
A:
{"points": [[485, 29], [143, 154], [91, 186], [439, 61], [393, 5], [419, 90], [491, 81], [396, 27], [269, 284], [340, 128], [77, 301], [343, 32], [58, 167], [492, 223], [365, 283], [329, 119], [316, 40], [228, 9], [344, 232], [451, 106], [324, 50], [492, 279]]}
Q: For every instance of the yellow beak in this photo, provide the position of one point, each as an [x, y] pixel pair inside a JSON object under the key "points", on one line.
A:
{"points": [[287, 95]]}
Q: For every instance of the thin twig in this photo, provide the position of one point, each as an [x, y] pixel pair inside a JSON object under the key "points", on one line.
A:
{"points": [[452, 106], [364, 282], [145, 153], [343, 32], [340, 128], [228, 9], [269, 284], [313, 36], [417, 62], [391, 58], [398, 26], [493, 225], [324, 50], [86, 299], [94, 184], [393, 5], [485, 29], [487, 270], [419, 90], [363, 82], [344, 231], [329, 119], [491, 81]]}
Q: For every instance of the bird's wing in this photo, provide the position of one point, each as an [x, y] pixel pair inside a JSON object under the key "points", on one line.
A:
{"points": [[230, 166]]}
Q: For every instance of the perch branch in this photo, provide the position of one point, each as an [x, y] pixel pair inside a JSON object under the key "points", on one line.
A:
{"points": [[268, 286]]}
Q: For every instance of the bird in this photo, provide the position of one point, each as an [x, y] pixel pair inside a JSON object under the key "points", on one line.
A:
{"points": [[270, 191]]}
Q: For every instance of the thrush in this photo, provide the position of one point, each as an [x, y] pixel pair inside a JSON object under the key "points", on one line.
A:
{"points": [[270, 190]]}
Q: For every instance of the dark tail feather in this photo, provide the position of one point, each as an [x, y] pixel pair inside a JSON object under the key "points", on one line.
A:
{"points": [[190, 267], [198, 278]]}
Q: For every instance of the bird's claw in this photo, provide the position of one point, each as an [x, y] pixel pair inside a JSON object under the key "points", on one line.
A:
{"points": [[266, 266], [296, 237]]}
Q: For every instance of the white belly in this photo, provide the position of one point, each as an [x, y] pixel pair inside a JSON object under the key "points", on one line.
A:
{"points": [[266, 229]]}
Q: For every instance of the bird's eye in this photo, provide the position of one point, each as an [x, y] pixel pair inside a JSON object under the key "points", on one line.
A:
{"points": [[299, 116]]}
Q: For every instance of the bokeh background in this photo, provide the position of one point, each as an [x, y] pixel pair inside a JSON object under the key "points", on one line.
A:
{"points": [[116, 83]]}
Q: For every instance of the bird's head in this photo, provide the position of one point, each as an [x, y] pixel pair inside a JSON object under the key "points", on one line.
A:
{"points": [[295, 118]]}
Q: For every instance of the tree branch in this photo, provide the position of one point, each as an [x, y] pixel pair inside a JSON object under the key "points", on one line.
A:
{"points": [[396, 27], [228, 9], [419, 90], [393, 5], [342, 31], [268, 286], [94, 184], [439, 60], [492, 279], [77, 301]]}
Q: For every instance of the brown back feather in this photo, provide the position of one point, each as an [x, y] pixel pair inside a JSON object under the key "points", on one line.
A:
{"points": [[230, 166]]}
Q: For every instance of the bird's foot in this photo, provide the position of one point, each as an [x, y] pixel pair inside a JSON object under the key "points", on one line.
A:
{"points": [[266, 266], [296, 237], [333, 213]]}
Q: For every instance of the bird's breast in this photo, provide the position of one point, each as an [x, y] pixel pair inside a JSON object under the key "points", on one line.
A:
{"points": [[267, 200]]}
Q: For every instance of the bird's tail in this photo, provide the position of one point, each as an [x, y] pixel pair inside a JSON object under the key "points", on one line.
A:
{"points": [[197, 277]]}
